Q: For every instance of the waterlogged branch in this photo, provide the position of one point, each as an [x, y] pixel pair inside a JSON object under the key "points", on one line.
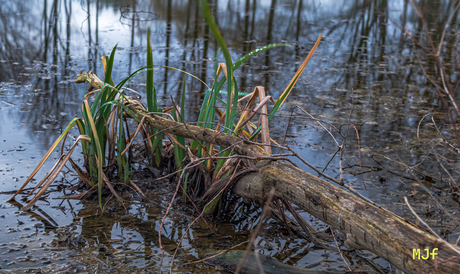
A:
{"points": [[202, 134]]}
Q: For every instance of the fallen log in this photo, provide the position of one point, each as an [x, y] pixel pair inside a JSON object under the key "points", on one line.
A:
{"points": [[365, 225]]}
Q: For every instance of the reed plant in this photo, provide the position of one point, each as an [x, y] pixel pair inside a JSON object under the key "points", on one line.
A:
{"points": [[97, 132], [106, 142]]}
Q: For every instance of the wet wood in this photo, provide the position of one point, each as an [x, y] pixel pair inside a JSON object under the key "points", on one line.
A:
{"points": [[91, 78], [366, 226]]}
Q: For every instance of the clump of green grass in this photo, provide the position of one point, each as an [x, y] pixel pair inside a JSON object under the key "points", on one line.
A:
{"points": [[105, 140], [96, 129]]}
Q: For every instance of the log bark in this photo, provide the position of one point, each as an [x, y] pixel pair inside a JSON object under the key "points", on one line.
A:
{"points": [[365, 225]]}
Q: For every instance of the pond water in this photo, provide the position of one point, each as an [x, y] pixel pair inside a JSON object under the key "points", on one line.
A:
{"points": [[365, 72]]}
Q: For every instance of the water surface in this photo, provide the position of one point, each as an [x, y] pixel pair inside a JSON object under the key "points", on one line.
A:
{"points": [[366, 65]]}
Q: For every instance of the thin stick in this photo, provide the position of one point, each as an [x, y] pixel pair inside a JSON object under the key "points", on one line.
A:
{"points": [[420, 219], [216, 255], [338, 248], [164, 218]]}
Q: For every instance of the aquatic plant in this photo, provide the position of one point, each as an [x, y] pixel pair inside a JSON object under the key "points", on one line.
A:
{"points": [[105, 138], [96, 129]]}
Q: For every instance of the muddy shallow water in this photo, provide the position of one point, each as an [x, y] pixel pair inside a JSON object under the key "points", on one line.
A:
{"points": [[45, 44]]}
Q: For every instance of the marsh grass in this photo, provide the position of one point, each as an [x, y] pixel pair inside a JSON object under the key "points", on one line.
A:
{"points": [[107, 143]]}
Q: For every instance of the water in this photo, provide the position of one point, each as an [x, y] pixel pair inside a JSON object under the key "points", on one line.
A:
{"points": [[366, 65]]}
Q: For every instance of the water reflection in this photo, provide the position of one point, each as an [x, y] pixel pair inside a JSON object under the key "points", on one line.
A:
{"points": [[368, 47]]}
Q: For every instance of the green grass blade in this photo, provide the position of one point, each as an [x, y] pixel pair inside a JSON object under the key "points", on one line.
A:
{"points": [[210, 112], [206, 115], [132, 75], [255, 52], [152, 104], [107, 93], [81, 129], [228, 59], [120, 145], [201, 116], [239, 93], [127, 176], [212, 206], [178, 156], [179, 153], [108, 72], [159, 145], [147, 68], [230, 124], [151, 91], [182, 102], [100, 156]]}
